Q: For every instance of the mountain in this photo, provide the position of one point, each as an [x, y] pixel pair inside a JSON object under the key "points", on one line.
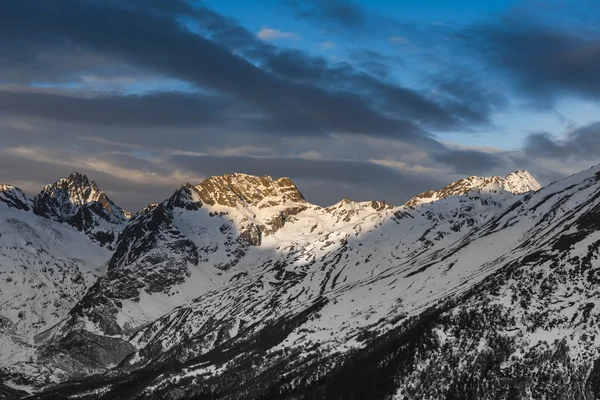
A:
{"points": [[50, 254], [14, 197], [45, 268], [518, 182], [76, 201], [239, 288]]}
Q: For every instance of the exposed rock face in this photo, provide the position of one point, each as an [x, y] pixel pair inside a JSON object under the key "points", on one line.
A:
{"points": [[246, 190], [518, 182]]}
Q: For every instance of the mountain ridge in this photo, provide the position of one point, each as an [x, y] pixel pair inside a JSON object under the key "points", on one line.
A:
{"points": [[517, 182], [226, 297], [77, 190]]}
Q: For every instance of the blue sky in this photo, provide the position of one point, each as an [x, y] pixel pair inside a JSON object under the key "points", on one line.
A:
{"points": [[389, 36], [366, 100]]}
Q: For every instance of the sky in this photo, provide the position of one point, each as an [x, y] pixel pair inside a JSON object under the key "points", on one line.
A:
{"points": [[365, 100]]}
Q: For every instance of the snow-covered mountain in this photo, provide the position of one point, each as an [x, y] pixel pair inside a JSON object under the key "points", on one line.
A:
{"points": [[518, 182], [46, 263], [239, 288], [80, 203], [13, 197]]}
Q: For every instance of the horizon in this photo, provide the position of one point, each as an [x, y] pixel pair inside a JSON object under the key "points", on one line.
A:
{"points": [[349, 99], [299, 188]]}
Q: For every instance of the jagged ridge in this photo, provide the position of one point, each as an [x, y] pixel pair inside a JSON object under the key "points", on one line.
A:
{"points": [[517, 182], [353, 299]]}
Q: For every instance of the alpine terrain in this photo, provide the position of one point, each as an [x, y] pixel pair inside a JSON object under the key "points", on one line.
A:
{"points": [[238, 288]]}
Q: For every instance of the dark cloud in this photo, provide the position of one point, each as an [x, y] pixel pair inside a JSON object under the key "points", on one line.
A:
{"points": [[394, 100], [542, 172], [332, 14], [22, 63], [543, 61], [155, 109], [322, 182], [247, 91], [291, 85], [32, 175], [543, 144], [468, 162], [582, 144], [468, 97]]}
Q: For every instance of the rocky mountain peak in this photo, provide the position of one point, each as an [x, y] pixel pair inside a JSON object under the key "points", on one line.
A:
{"points": [[14, 197], [232, 190], [64, 198], [517, 182], [79, 202], [76, 189]]}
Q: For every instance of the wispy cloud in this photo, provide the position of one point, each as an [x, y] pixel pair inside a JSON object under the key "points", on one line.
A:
{"points": [[326, 45], [267, 33], [399, 40]]}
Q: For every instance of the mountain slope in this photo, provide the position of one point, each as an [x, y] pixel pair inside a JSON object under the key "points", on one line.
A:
{"points": [[505, 310], [46, 263], [239, 292], [262, 258], [45, 268]]}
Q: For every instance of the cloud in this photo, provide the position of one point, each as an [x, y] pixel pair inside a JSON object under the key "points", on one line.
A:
{"points": [[373, 62], [161, 45], [333, 14], [131, 183], [267, 33], [466, 162], [542, 61], [162, 109], [326, 45], [581, 144], [242, 103], [283, 87], [399, 40]]}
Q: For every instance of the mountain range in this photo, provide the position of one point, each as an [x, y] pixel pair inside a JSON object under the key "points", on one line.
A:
{"points": [[238, 288]]}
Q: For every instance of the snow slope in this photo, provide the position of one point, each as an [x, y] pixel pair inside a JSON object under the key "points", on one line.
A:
{"points": [[239, 288], [502, 307], [239, 252], [46, 266]]}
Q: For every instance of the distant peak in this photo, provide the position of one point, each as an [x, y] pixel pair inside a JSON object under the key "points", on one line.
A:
{"points": [[62, 199], [521, 181], [517, 182], [14, 197], [75, 189]]}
